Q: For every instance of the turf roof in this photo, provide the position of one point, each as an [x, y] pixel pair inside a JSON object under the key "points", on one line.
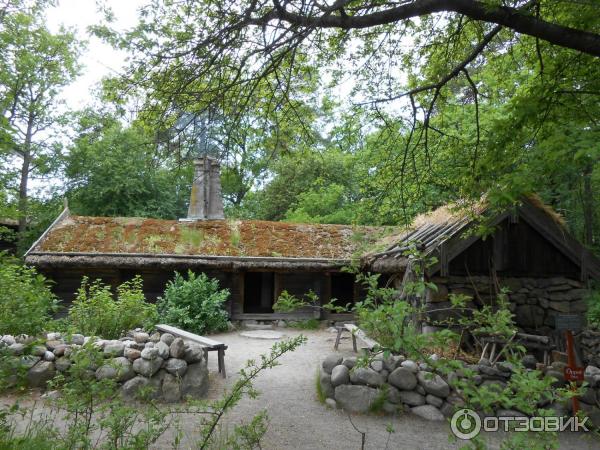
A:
{"points": [[211, 237]]}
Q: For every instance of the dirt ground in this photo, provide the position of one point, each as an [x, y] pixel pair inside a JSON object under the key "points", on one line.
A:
{"points": [[296, 418], [298, 421]]}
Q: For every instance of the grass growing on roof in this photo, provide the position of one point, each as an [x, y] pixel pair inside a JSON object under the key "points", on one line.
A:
{"points": [[192, 237]]}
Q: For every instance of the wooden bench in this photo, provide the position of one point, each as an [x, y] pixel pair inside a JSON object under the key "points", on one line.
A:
{"points": [[207, 344], [355, 332]]}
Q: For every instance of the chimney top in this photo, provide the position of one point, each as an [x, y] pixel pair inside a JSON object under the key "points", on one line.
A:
{"points": [[206, 202]]}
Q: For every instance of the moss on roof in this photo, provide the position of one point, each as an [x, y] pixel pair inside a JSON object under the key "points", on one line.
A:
{"points": [[206, 238]]}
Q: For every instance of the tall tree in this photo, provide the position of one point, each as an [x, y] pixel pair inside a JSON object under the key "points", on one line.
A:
{"points": [[35, 65]]}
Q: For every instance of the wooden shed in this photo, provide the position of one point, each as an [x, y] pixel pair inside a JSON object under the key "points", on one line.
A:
{"points": [[528, 250], [255, 260]]}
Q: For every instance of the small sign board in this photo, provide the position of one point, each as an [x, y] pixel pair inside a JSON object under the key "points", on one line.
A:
{"points": [[569, 322], [573, 373]]}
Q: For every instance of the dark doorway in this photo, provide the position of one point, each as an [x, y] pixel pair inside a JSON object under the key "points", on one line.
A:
{"points": [[342, 288], [258, 292]]}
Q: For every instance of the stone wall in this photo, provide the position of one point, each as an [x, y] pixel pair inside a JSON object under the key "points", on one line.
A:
{"points": [[589, 343], [397, 384], [535, 301], [171, 368]]}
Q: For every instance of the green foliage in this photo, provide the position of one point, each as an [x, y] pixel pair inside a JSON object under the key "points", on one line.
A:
{"points": [[96, 312], [194, 304], [319, 388], [593, 311], [26, 302]]}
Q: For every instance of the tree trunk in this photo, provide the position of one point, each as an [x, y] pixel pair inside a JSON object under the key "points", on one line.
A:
{"points": [[588, 207], [25, 167]]}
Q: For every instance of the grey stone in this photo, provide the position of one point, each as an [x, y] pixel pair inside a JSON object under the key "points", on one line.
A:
{"points": [[420, 390], [148, 345], [433, 400], [124, 368], [77, 339], [509, 413], [61, 350], [154, 337], [62, 364], [150, 353], [376, 365], [51, 345], [195, 381], [350, 362], [167, 338], [8, 339], [412, 398], [132, 353], [16, 349], [366, 375], [403, 378], [355, 399], [410, 365], [28, 361], [330, 362], [147, 367], [38, 350], [393, 394], [134, 388], [53, 336], [455, 400], [331, 403], [491, 371], [176, 367], [40, 374], [162, 349], [428, 412], [177, 348], [171, 388], [494, 385], [141, 337], [340, 375], [447, 409], [49, 356], [114, 348], [529, 361], [326, 386], [193, 354], [433, 384], [589, 396], [390, 408]]}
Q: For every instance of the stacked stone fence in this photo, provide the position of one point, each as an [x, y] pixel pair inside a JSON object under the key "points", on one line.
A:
{"points": [[535, 301], [396, 384], [160, 365]]}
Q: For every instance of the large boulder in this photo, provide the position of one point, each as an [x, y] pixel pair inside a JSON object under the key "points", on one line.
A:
{"points": [[119, 369], [167, 338], [150, 353], [403, 378], [428, 412], [195, 381], [40, 374], [331, 361], [340, 375], [412, 398], [162, 349], [171, 388], [176, 367], [410, 365], [147, 367], [194, 353], [366, 375], [177, 348], [433, 384], [141, 337], [114, 348], [355, 399], [135, 388]]}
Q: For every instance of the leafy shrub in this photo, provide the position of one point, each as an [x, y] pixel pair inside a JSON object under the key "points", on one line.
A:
{"points": [[96, 312], [26, 302], [593, 312], [195, 304]]}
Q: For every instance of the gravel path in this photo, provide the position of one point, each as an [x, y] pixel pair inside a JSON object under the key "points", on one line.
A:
{"points": [[298, 421]]}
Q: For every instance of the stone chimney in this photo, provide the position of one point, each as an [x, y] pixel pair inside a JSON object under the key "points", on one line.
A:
{"points": [[206, 202]]}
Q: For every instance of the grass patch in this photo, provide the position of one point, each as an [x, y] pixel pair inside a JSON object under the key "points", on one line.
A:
{"points": [[377, 405], [192, 237], [320, 394], [308, 324]]}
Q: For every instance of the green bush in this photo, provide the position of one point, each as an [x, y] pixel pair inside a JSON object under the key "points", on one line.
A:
{"points": [[96, 312], [26, 302], [195, 304], [593, 312]]}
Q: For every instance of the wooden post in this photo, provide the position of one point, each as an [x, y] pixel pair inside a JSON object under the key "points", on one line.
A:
{"points": [[571, 363]]}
